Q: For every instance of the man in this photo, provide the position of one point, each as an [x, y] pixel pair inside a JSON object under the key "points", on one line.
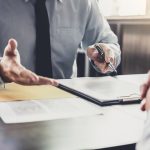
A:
{"points": [[144, 144], [70, 23]]}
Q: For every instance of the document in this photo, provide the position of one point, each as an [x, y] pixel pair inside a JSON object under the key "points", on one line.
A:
{"points": [[19, 104], [13, 92], [136, 79], [46, 109], [103, 90]]}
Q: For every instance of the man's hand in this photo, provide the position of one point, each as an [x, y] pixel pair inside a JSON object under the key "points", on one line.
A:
{"points": [[145, 94], [11, 69], [109, 57]]}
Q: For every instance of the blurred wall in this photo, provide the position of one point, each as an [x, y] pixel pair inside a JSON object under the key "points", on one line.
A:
{"points": [[134, 38]]}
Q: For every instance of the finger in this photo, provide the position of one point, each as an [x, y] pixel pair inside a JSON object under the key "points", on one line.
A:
{"points": [[30, 78], [13, 44], [148, 80], [144, 87], [44, 80], [25, 77], [25, 81], [90, 51], [143, 90], [11, 48], [94, 55], [102, 66], [109, 56], [143, 104]]}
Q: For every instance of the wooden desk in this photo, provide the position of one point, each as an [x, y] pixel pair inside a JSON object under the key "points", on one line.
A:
{"points": [[116, 127]]}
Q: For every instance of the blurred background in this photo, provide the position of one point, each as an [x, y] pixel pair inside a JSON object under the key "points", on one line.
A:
{"points": [[125, 7], [130, 21]]}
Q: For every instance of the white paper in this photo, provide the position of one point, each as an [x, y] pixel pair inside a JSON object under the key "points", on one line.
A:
{"points": [[104, 88], [136, 79], [40, 110]]}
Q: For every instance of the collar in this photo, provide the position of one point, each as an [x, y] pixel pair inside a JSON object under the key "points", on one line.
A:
{"points": [[57, 0]]}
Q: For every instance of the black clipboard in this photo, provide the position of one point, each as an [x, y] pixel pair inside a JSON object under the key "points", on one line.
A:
{"points": [[89, 98]]}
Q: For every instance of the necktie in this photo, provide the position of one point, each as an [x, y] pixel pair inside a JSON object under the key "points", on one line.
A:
{"points": [[43, 65]]}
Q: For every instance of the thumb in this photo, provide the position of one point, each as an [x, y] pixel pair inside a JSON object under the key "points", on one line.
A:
{"points": [[109, 56], [11, 48]]}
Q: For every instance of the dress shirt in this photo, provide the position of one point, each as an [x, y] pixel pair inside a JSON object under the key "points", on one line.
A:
{"points": [[144, 143], [72, 23]]}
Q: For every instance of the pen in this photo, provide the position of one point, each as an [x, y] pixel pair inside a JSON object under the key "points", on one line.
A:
{"points": [[101, 57]]}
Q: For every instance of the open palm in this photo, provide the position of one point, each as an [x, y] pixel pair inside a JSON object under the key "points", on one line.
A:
{"points": [[12, 70]]}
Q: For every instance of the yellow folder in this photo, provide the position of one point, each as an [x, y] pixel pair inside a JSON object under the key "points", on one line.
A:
{"points": [[13, 91]]}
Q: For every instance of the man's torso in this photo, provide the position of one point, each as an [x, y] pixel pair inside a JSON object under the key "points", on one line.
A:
{"points": [[67, 26]]}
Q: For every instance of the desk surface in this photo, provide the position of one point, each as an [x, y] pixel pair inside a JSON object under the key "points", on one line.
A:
{"points": [[115, 127], [118, 125]]}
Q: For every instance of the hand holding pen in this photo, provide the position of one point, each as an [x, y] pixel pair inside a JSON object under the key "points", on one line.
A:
{"points": [[102, 58]]}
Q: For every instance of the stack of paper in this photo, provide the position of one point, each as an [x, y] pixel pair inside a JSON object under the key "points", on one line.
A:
{"points": [[38, 103], [13, 91]]}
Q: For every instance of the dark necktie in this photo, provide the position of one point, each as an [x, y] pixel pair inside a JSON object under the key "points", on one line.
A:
{"points": [[43, 64]]}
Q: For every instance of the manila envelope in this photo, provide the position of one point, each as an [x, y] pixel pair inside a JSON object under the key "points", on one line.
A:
{"points": [[13, 92]]}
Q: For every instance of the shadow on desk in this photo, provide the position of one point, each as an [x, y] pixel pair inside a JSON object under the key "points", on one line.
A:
{"points": [[125, 147]]}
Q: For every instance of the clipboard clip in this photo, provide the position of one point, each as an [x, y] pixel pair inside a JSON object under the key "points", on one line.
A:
{"points": [[130, 97]]}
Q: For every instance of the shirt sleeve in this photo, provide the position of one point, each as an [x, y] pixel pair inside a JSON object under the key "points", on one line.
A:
{"points": [[144, 143], [98, 31]]}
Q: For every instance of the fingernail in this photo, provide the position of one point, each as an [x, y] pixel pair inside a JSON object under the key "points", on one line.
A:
{"points": [[55, 83]]}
